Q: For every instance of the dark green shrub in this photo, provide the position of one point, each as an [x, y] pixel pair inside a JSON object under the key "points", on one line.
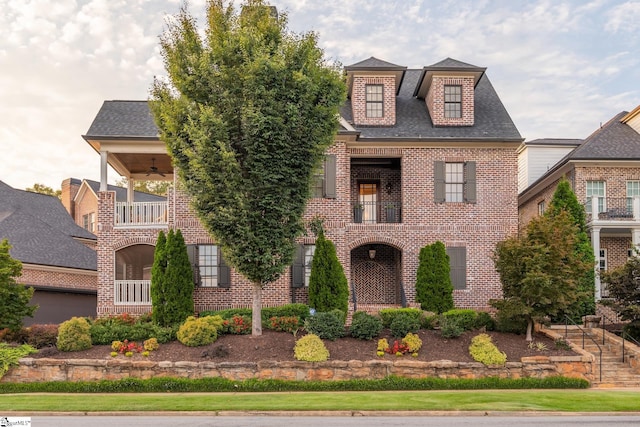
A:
{"points": [[300, 311], [429, 321], [633, 329], [450, 327], [310, 348], [514, 324], [466, 317], [74, 335], [284, 323], [40, 336], [195, 332], [484, 320], [388, 314], [328, 285], [107, 332], [404, 323], [365, 326], [327, 325], [434, 290]]}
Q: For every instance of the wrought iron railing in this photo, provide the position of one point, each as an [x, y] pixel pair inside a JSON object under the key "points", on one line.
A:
{"points": [[568, 320], [140, 213], [132, 292], [377, 212], [613, 208], [623, 334]]}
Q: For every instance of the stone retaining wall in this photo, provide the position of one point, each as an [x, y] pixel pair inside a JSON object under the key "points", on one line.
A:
{"points": [[38, 370]]}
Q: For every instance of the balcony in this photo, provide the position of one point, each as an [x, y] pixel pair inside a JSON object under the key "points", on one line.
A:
{"points": [[613, 209], [140, 214], [387, 212], [132, 292]]}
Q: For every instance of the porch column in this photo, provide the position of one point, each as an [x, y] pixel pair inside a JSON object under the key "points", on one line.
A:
{"points": [[103, 170], [636, 208], [595, 242], [635, 240], [130, 186]]}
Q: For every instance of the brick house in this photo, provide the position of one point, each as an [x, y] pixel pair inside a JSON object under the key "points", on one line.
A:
{"points": [[604, 172], [58, 257], [422, 155]]}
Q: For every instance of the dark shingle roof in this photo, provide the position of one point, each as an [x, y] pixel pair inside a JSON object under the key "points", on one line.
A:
{"points": [[121, 193], [555, 141], [374, 63], [449, 63], [41, 231], [123, 118], [613, 141]]}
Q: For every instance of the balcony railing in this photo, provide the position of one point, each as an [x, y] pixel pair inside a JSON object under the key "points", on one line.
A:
{"points": [[377, 212], [132, 292], [613, 209], [140, 213]]}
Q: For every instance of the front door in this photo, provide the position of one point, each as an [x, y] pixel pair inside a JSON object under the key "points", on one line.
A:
{"points": [[369, 201]]}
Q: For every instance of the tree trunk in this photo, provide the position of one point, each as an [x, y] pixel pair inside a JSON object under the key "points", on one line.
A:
{"points": [[529, 330], [256, 319]]}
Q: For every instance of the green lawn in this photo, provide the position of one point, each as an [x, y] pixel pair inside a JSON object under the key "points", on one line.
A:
{"points": [[485, 400]]}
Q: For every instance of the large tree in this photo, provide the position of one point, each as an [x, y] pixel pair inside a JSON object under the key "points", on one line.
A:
{"points": [[14, 297], [565, 200], [247, 114], [540, 270]]}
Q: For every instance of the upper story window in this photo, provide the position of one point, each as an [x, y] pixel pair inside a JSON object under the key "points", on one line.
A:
{"points": [[374, 97], [633, 190], [324, 179], [596, 189], [89, 222], [541, 208], [452, 101], [455, 182]]}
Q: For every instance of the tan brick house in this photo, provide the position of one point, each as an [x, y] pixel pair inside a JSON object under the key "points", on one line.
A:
{"points": [[422, 155], [604, 172]]}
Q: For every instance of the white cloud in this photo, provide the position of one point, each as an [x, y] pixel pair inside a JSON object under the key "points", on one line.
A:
{"points": [[624, 17]]}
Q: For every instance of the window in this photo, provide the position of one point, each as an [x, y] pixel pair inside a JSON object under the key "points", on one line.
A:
{"points": [[633, 190], [301, 268], [455, 182], [597, 189], [324, 180], [602, 260], [458, 266], [374, 97], [541, 208], [89, 222], [452, 101], [209, 269]]}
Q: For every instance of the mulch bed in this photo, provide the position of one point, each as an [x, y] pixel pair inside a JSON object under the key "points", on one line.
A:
{"points": [[278, 346]]}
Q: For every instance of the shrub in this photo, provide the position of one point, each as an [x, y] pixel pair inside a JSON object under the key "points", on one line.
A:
{"points": [[328, 285], [484, 320], [413, 343], [10, 355], [310, 348], [383, 346], [404, 323], [74, 335], [483, 350], [434, 290], [326, 325], [365, 326], [450, 327], [40, 336], [300, 311], [429, 321], [195, 332], [388, 314], [237, 325], [466, 317], [514, 324], [107, 332], [284, 323], [151, 344]]}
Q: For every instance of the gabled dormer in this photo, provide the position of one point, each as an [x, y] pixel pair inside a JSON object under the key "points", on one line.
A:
{"points": [[633, 119], [372, 86], [448, 90]]}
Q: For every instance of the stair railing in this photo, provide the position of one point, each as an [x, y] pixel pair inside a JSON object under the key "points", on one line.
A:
{"points": [[623, 334], [354, 299], [403, 296], [568, 320]]}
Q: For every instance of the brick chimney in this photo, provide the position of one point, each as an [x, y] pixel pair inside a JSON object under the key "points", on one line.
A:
{"points": [[70, 187]]}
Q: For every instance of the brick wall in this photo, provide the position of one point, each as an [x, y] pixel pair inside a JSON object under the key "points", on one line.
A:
{"points": [[435, 101], [35, 276], [359, 104]]}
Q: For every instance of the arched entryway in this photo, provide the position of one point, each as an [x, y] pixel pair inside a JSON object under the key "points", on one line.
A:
{"points": [[133, 274], [376, 274]]}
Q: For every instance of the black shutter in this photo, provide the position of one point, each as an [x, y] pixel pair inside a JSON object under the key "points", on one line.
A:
{"points": [[470, 182], [438, 184], [224, 272], [297, 269], [458, 266], [330, 176], [192, 252]]}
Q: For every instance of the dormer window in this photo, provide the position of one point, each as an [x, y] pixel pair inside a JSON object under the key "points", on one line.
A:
{"points": [[374, 97], [452, 101]]}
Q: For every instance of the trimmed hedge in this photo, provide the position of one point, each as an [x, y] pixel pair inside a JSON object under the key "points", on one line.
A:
{"points": [[388, 314]]}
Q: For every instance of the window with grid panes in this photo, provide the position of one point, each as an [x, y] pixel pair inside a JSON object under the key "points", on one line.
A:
{"points": [[595, 188], [454, 182], [208, 265], [374, 98], [633, 190], [541, 208], [453, 101], [309, 250]]}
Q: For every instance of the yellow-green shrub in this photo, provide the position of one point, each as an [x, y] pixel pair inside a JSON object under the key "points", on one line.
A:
{"points": [[195, 332], [74, 335], [413, 342], [310, 348], [151, 344], [483, 350]]}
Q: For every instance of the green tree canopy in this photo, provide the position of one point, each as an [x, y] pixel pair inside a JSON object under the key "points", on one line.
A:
{"points": [[158, 272], [247, 114], [151, 187], [540, 271], [14, 297], [43, 189], [623, 286]]}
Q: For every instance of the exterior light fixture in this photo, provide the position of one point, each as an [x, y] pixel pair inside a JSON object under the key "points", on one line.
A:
{"points": [[372, 253]]}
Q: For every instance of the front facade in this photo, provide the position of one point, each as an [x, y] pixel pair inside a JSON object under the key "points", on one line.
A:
{"points": [[604, 173], [422, 155]]}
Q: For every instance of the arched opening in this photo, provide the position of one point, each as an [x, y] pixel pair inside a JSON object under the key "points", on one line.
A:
{"points": [[376, 274], [133, 274]]}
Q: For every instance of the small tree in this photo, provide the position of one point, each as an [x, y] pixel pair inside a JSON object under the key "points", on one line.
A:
{"points": [[158, 269], [178, 280], [434, 290], [539, 271], [623, 285], [14, 297], [565, 200], [44, 189], [328, 286]]}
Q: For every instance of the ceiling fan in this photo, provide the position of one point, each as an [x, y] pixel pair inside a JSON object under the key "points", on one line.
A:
{"points": [[153, 169]]}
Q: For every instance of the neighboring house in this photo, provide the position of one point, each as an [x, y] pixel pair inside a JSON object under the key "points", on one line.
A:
{"points": [[58, 257], [422, 155], [604, 172], [536, 157]]}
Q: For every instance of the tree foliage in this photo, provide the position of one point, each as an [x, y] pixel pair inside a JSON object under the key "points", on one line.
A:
{"points": [[44, 189], [150, 187], [540, 270], [434, 290], [158, 270], [14, 297], [328, 285], [623, 285], [564, 199], [247, 115]]}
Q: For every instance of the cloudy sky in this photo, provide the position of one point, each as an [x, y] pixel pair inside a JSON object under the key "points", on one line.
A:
{"points": [[560, 67]]}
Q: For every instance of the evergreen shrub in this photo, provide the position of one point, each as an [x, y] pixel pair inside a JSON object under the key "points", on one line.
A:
{"points": [[310, 348], [74, 335], [484, 320], [364, 326], [388, 314], [450, 327], [434, 290], [328, 285], [404, 323], [429, 320], [483, 350], [195, 332], [466, 317], [327, 325]]}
